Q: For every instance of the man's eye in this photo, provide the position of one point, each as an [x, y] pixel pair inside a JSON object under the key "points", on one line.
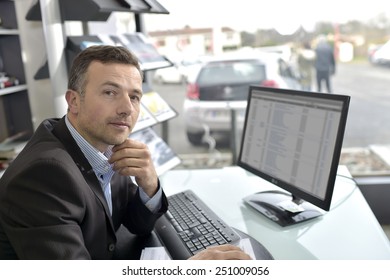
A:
{"points": [[109, 92], [135, 98]]}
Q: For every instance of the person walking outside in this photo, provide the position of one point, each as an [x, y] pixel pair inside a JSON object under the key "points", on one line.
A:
{"points": [[325, 64]]}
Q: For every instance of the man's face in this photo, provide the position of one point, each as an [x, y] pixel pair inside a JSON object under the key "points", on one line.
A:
{"points": [[109, 109]]}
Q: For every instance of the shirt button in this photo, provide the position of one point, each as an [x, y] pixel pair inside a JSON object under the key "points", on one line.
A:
{"points": [[111, 247]]}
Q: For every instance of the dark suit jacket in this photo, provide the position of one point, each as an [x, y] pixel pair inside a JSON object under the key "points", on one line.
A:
{"points": [[53, 207]]}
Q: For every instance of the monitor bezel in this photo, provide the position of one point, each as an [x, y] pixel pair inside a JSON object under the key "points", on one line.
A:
{"points": [[295, 191]]}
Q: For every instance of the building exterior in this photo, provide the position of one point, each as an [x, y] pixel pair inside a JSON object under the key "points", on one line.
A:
{"points": [[195, 41]]}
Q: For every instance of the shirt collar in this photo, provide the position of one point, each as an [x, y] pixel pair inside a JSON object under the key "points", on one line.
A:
{"points": [[97, 159]]}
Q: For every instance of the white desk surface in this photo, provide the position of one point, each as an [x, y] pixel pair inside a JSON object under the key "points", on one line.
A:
{"points": [[348, 231]]}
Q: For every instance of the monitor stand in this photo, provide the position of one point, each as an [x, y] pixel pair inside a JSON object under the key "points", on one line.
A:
{"points": [[267, 203]]}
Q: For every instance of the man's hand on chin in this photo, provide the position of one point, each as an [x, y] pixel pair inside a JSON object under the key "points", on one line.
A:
{"points": [[133, 158]]}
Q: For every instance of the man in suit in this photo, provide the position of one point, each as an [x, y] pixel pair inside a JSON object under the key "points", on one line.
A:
{"points": [[80, 177]]}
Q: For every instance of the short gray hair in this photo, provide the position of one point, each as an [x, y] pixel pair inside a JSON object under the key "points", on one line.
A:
{"points": [[102, 53]]}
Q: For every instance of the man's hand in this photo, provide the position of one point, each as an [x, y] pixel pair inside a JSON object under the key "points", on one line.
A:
{"points": [[132, 158], [221, 252]]}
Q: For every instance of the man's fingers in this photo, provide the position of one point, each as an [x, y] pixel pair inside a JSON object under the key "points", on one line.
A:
{"points": [[129, 143], [131, 150], [222, 252]]}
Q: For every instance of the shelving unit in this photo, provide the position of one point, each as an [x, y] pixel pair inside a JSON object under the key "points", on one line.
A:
{"points": [[4, 31], [15, 113]]}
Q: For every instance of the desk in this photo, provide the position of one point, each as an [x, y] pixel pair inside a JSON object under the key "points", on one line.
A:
{"points": [[348, 231]]}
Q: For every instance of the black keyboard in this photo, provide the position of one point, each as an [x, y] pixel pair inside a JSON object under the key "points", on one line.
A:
{"points": [[189, 226]]}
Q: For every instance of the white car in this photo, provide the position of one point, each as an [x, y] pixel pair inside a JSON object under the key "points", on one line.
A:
{"points": [[382, 55], [221, 85]]}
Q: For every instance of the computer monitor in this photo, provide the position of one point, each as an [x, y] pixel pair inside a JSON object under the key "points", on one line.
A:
{"points": [[293, 140]]}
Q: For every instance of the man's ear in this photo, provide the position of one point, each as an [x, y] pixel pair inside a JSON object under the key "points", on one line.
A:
{"points": [[73, 100]]}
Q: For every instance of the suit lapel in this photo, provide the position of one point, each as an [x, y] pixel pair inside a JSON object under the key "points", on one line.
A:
{"points": [[62, 133]]}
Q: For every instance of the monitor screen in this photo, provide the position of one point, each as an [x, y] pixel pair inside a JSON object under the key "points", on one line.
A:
{"points": [[293, 139]]}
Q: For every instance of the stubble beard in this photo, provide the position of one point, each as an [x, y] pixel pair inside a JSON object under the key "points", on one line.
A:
{"points": [[104, 135]]}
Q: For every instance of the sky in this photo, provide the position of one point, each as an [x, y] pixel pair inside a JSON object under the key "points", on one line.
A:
{"points": [[249, 15]]}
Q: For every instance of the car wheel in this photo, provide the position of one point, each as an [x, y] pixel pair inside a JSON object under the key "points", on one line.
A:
{"points": [[195, 138]]}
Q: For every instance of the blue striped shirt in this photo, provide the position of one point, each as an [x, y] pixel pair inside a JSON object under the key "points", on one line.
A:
{"points": [[104, 171]]}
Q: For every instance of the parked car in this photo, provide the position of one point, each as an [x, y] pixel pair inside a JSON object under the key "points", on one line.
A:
{"points": [[177, 73], [222, 84], [382, 55], [371, 51]]}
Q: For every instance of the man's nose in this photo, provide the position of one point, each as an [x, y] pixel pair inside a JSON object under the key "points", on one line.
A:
{"points": [[125, 106]]}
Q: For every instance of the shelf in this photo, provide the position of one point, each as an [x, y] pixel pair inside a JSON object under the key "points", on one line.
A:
{"points": [[4, 31], [13, 89], [146, 53], [97, 10]]}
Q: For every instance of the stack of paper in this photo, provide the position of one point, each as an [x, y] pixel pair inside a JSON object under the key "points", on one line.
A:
{"points": [[154, 253]]}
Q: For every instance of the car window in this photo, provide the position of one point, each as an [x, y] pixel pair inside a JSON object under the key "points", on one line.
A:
{"points": [[232, 72]]}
